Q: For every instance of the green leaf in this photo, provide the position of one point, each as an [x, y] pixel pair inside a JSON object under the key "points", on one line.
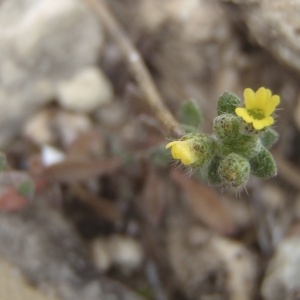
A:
{"points": [[189, 129], [213, 176], [269, 137], [190, 114], [263, 165]]}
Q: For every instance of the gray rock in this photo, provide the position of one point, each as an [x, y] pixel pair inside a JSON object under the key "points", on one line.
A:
{"points": [[282, 278], [275, 25], [48, 251], [42, 43], [209, 266]]}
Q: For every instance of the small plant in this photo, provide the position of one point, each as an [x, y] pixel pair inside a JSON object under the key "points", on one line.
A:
{"points": [[240, 143]]}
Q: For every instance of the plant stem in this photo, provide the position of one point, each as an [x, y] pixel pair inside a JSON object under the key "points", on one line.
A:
{"points": [[137, 66]]}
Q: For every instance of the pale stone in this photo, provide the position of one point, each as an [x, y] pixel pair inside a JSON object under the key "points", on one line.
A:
{"points": [[86, 91], [121, 251], [13, 286], [51, 155], [282, 278], [42, 43], [38, 130]]}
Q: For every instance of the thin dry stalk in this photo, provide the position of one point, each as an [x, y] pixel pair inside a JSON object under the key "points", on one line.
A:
{"points": [[136, 64]]}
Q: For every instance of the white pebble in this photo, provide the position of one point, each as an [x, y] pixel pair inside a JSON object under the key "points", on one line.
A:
{"points": [[86, 91]]}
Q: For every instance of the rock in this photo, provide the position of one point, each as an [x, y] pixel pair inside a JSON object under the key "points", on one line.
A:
{"points": [[46, 127], [274, 25], [282, 278], [38, 128], [86, 91], [112, 116], [14, 286], [123, 252], [241, 267], [42, 43], [69, 126], [47, 250], [51, 155], [208, 266]]}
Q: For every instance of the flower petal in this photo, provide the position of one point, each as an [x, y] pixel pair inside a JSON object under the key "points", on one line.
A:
{"points": [[249, 98], [260, 124], [261, 98], [275, 99], [171, 144], [271, 105], [179, 149], [243, 113], [188, 159], [182, 151]]}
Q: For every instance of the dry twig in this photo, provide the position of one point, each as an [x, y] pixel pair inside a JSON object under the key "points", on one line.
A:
{"points": [[138, 68]]}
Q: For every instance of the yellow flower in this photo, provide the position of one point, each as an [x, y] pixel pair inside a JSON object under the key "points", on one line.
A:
{"points": [[259, 107], [182, 150]]}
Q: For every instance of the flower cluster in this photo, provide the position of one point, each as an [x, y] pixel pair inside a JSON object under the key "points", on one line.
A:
{"points": [[233, 152]]}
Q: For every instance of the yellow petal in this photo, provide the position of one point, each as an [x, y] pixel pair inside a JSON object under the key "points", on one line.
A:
{"points": [[260, 124], [243, 113], [188, 160], [261, 98], [171, 144], [181, 150], [271, 105], [249, 98], [275, 99]]}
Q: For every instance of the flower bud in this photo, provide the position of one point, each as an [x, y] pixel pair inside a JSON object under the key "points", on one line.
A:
{"points": [[227, 126], [227, 103], [234, 170], [193, 149]]}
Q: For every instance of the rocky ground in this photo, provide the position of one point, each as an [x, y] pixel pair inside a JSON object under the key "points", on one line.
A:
{"points": [[91, 205]]}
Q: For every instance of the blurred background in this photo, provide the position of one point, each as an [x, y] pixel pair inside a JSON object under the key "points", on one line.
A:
{"points": [[91, 205]]}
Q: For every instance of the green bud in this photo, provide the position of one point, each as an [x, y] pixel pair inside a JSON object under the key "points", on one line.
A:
{"points": [[234, 170], [227, 103], [203, 147], [212, 175], [263, 165], [269, 137], [227, 126], [190, 114], [193, 149]]}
